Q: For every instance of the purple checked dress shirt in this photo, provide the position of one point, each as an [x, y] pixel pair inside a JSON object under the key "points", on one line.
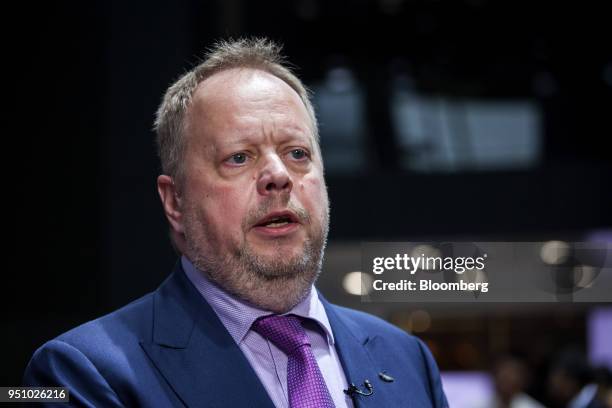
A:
{"points": [[268, 362]]}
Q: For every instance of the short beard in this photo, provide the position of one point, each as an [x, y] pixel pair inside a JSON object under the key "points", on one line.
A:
{"points": [[276, 285]]}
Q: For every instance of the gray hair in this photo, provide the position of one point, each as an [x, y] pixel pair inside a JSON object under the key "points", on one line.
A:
{"points": [[255, 53]]}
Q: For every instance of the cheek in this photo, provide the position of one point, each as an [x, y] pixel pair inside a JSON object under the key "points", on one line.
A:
{"points": [[225, 205], [314, 193], [220, 205]]}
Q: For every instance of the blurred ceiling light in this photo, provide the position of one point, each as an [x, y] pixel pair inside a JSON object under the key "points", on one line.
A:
{"points": [[473, 276], [584, 275], [419, 321], [426, 250], [554, 252], [357, 283]]}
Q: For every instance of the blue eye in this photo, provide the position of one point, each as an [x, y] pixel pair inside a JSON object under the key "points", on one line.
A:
{"points": [[238, 158], [298, 154]]}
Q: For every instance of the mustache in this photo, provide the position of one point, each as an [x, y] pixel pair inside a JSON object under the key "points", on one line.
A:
{"points": [[276, 204]]}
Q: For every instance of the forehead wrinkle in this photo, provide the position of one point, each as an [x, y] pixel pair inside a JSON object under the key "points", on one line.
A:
{"points": [[269, 135], [222, 91], [274, 128]]}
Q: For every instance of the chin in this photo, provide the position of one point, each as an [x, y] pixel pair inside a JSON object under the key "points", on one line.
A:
{"points": [[281, 249], [287, 294]]}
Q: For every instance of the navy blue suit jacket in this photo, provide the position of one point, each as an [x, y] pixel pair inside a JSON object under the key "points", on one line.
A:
{"points": [[169, 349]]}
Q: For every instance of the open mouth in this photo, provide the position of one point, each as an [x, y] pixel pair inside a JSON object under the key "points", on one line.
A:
{"points": [[278, 220]]}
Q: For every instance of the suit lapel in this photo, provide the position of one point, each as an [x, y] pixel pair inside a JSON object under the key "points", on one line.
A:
{"points": [[352, 344], [194, 352]]}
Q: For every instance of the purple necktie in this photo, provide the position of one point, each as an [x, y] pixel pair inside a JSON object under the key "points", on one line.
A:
{"points": [[305, 383]]}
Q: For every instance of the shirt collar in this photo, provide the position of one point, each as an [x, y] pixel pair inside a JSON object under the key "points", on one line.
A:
{"points": [[238, 316]]}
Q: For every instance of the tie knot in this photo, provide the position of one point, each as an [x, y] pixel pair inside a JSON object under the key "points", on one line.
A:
{"points": [[286, 332]]}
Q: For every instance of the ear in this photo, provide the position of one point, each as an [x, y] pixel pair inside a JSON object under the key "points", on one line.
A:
{"points": [[171, 201]]}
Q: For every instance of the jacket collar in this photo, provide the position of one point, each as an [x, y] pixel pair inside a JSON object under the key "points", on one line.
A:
{"points": [[355, 348], [205, 367], [194, 352]]}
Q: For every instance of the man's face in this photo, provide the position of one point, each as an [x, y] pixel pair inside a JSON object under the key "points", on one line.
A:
{"points": [[254, 201]]}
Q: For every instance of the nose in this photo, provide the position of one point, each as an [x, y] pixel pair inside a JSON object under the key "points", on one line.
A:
{"points": [[274, 177]]}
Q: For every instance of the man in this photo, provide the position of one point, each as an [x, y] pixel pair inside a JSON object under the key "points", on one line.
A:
{"points": [[510, 379], [239, 322]]}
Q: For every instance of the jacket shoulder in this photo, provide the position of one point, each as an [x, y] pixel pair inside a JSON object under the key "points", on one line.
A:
{"points": [[104, 343], [93, 358], [372, 325], [130, 321]]}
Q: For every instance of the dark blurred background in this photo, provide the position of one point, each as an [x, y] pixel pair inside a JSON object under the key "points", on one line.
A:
{"points": [[440, 120]]}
